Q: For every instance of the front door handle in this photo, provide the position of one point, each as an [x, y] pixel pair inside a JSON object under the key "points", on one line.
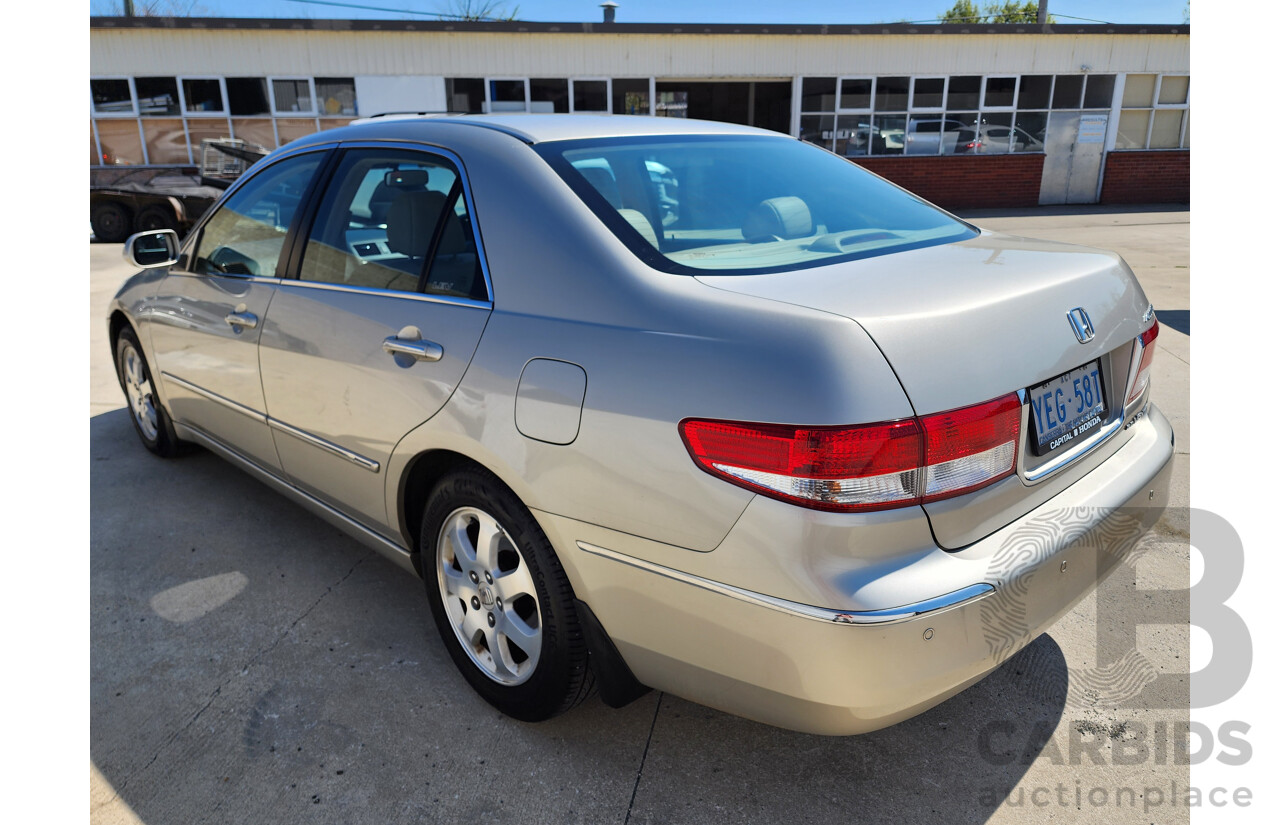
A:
{"points": [[242, 320], [421, 350]]}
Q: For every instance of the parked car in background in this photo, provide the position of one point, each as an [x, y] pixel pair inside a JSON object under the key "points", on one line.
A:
{"points": [[993, 139], [928, 136], [662, 403]]}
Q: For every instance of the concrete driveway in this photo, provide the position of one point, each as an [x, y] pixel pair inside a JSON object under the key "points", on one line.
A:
{"points": [[251, 664]]}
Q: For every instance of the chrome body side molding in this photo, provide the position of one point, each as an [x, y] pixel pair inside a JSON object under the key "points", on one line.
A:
{"points": [[355, 458], [890, 615], [315, 440]]}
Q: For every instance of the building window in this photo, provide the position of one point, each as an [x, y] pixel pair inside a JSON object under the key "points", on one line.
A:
{"points": [[157, 96], [248, 96], [549, 95], [631, 96], [508, 96], [203, 95], [166, 140], [960, 114], [111, 96], [591, 96], [120, 141], [1154, 113], [464, 94], [292, 96], [336, 96]]}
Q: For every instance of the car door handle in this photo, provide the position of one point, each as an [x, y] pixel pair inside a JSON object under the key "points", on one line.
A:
{"points": [[242, 320], [421, 350]]}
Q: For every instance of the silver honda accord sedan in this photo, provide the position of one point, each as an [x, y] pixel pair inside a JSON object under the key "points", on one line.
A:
{"points": [[670, 404]]}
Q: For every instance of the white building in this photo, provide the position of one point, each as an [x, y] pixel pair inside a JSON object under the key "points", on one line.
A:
{"points": [[965, 115]]}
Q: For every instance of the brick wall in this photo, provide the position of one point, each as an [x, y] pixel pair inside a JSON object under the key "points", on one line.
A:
{"points": [[965, 181], [1147, 177]]}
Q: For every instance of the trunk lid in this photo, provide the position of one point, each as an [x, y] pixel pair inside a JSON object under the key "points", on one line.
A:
{"points": [[967, 322]]}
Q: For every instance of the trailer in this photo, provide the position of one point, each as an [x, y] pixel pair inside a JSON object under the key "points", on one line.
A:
{"points": [[128, 199]]}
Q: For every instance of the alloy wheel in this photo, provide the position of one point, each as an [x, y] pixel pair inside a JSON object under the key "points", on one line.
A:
{"points": [[489, 596]]}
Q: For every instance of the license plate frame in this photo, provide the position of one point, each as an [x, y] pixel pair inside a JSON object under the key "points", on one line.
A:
{"points": [[1081, 393]]}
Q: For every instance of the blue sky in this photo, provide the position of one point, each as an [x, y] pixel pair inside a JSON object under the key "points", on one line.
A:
{"points": [[685, 11]]}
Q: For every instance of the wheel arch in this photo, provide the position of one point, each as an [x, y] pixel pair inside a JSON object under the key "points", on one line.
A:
{"points": [[420, 475], [115, 323]]}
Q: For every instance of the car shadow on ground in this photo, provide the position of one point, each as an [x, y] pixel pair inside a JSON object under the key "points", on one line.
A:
{"points": [[251, 663], [1179, 319]]}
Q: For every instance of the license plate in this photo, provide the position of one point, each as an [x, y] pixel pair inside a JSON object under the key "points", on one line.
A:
{"points": [[1067, 409]]}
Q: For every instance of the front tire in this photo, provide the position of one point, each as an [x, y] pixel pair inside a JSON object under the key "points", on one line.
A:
{"points": [[501, 600], [150, 421]]}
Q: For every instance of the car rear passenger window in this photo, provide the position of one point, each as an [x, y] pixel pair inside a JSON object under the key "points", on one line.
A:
{"points": [[247, 233], [383, 215]]}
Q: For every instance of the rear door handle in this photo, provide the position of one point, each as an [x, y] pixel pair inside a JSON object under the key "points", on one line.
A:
{"points": [[242, 320], [421, 350]]}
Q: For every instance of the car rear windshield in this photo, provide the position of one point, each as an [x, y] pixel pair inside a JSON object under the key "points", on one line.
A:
{"points": [[744, 204]]}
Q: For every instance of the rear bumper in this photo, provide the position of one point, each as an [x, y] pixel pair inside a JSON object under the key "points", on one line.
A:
{"points": [[945, 619]]}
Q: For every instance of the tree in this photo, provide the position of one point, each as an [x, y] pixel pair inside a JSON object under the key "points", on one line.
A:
{"points": [[152, 8], [964, 11], [1009, 11], [478, 10]]}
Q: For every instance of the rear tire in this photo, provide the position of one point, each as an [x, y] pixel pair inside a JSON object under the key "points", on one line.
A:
{"points": [[110, 221], [501, 600], [150, 421]]}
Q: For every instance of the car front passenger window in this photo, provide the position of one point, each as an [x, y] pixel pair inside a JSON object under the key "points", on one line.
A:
{"points": [[247, 233]]}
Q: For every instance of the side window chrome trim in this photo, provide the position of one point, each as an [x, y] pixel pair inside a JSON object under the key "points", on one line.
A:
{"points": [[476, 234], [253, 279], [390, 293]]}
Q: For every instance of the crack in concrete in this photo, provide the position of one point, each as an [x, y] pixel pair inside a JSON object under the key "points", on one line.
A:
{"points": [[643, 757], [217, 691], [1173, 355]]}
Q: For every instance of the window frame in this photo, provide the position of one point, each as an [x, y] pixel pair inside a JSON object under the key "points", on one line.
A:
{"points": [[298, 115], [225, 112], [296, 243], [800, 113], [846, 110], [488, 94], [983, 106], [608, 95], [94, 114], [315, 98], [911, 95], [1151, 108]]}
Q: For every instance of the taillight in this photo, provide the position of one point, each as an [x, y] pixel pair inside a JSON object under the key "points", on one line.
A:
{"points": [[867, 467], [1144, 353]]}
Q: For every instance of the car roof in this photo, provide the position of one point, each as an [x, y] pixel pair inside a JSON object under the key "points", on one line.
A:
{"points": [[541, 128]]}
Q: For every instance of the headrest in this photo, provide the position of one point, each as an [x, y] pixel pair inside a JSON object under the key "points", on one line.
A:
{"points": [[411, 221], [783, 218], [406, 178]]}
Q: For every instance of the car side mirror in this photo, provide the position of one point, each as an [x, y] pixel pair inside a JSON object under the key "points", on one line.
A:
{"points": [[149, 250]]}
